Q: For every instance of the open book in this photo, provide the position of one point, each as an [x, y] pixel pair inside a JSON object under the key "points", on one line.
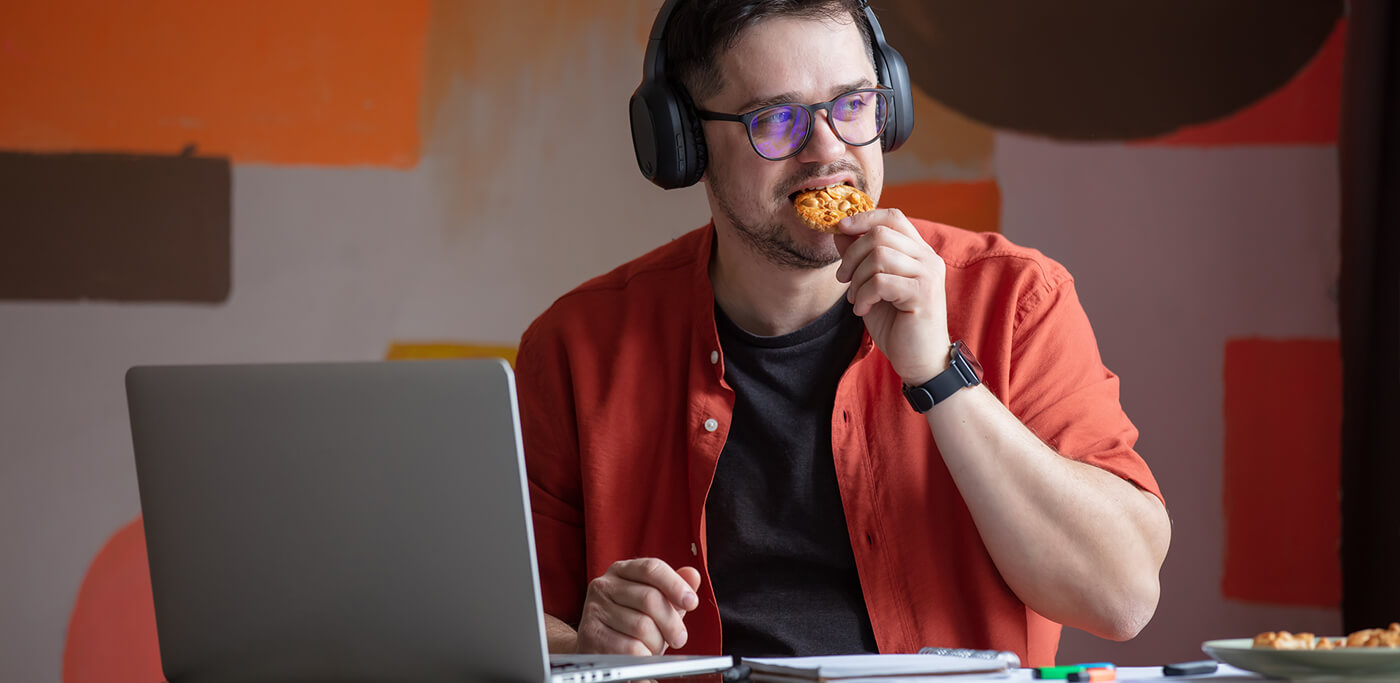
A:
{"points": [[848, 668]]}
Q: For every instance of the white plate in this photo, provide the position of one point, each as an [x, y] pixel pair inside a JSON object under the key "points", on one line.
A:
{"points": [[1350, 664]]}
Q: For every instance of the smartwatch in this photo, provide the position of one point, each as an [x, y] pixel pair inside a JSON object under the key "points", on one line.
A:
{"points": [[963, 371]]}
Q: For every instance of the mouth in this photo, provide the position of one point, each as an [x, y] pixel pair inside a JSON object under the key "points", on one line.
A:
{"points": [[792, 196]]}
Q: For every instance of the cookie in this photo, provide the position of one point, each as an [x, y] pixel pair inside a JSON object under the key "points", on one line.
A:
{"points": [[821, 209], [1371, 637]]}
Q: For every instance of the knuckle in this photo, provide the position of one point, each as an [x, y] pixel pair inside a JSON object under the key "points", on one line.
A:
{"points": [[635, 624], [654, 603], [592, 616], [597, 588]]}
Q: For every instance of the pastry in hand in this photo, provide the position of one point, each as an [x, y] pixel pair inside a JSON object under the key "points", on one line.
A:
{"points": [[821, 209]]}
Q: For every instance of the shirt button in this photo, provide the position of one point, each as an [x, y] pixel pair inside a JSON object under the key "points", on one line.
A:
{"points": [[694, 550], [711, 425], [714, 357]]}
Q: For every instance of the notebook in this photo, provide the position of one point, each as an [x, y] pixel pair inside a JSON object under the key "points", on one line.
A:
{"points": [[348, 522], [864, 668]]}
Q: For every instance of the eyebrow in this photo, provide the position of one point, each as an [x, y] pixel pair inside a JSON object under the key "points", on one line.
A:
{"points": [[791, 97]]}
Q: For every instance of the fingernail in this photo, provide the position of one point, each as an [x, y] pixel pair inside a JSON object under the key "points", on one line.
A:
{"points": [[680, 640], [689, 601]]}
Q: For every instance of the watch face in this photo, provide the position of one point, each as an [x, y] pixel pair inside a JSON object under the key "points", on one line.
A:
{"points": [[960, 350]]}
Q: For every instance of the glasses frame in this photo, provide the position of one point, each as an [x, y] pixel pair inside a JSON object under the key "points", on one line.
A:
{"points": [[812, 109]]}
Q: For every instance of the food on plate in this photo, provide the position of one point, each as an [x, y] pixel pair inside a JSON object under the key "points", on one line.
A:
{"points": [[1283, 640], [823, 208], [1371, 637], [1375, 637]]}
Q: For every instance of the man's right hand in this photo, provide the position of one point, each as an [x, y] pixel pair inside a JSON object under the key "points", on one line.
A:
{"points": [[637, 607]]}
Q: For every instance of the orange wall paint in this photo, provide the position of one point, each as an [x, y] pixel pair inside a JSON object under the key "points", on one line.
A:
{"points": [[969, 205], [112, 633], [333, 82]]}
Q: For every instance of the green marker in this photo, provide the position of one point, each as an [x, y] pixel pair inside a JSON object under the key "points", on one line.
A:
{"points": [[1057, 672]]}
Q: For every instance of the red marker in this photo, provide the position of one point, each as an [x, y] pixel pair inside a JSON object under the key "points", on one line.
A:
{"points": [[1093, 675]]}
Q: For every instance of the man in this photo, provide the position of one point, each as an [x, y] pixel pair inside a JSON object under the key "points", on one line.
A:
{"points": [[720, 452]]}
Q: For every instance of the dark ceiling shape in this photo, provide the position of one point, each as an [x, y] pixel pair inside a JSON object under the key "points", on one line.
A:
{"points": [[1104, 69]]}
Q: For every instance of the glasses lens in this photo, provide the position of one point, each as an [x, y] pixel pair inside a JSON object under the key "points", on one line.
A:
{"points": [[859, 117], [778, 131]]}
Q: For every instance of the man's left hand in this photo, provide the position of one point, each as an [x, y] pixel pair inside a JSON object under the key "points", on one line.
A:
{"points": [[897, 287]]}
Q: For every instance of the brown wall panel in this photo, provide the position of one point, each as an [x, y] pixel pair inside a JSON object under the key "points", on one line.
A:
{"points": [[114, 227]]}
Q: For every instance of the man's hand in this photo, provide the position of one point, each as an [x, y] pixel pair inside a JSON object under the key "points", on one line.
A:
{"points": [[896, 285], [636, 608]]}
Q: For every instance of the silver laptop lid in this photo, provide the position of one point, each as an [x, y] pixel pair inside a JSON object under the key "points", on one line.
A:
{"points": [[350, 521]]}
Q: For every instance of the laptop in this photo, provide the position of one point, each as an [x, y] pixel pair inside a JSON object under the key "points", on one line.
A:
{"points": [[347, 522]]}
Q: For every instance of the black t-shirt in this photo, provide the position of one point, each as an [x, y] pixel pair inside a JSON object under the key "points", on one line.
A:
{"points": [[780, 556]]}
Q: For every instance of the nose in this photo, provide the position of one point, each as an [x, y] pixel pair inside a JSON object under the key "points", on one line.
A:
{"points": [[822, 146]]}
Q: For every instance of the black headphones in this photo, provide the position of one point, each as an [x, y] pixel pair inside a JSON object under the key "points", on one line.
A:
{"points": [[666, 134]]}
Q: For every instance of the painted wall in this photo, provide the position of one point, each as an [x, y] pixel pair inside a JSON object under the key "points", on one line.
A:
{"points": [[406, 172]]}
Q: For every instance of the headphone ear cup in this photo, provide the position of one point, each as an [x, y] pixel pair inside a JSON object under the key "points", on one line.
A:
{"points": [[666, 136], [894, 74], [699, 152]]}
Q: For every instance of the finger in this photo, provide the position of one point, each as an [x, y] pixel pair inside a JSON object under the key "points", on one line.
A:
{"points": [[633, 625], [595, 636], [636, 600], [880, 235], [863, 222], [884, 259], [898, 290], [692, 578], [658, 574]]}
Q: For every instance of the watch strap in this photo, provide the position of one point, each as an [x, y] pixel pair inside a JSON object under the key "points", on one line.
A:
{"points": [[957, 376]]}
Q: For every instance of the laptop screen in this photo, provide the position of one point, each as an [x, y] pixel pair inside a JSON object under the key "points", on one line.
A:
{"points": [[349, 521]]}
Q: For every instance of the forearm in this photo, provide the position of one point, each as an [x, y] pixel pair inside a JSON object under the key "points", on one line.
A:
{"points": [[1075, 543], [562, 638]]}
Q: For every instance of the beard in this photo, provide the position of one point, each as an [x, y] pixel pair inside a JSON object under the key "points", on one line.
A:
{"points": [[768, 236]]}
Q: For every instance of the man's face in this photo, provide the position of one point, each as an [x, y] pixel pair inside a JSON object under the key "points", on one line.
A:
{"points": [[786, 60]]}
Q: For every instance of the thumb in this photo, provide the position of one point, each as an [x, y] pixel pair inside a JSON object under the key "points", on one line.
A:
{"points": [[843, 242], [691, 576]]}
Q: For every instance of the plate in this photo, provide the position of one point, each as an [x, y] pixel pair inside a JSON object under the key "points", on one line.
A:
{"points": [[1351, 664]]}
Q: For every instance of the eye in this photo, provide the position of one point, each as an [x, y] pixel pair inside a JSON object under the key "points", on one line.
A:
{"points": [[851, 106], [777, 116], [777, 122]]}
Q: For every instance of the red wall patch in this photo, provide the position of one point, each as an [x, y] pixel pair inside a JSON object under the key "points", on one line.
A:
{"points": [[1283, 417]]}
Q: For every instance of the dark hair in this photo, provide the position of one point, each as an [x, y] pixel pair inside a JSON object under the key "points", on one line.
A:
{"points": [[699, 31]]}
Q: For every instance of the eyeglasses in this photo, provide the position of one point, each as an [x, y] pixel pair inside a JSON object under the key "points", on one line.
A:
{"points": [[780, 131]]}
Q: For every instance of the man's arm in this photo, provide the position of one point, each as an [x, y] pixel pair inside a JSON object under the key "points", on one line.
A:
{"points": [[562, 638], [1076, 543]]}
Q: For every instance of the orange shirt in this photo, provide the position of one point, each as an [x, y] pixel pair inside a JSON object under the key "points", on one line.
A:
{"points": [[625, 409]]}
